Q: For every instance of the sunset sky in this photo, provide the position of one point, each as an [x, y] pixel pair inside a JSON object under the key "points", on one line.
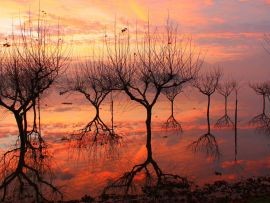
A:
{"points": [[229, 32]]}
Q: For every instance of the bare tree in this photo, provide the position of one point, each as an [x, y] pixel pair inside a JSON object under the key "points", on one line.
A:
{"points": [[207, 84], [261, 121], [91, 80], [225, 89], [157, 64], [29, 66], [171, 122]]}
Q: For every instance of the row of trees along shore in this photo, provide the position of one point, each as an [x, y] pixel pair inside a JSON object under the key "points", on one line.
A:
{"points": [[152, 64]]}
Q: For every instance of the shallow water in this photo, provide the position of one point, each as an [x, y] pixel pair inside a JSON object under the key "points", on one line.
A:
{"points": [[79, 174]]}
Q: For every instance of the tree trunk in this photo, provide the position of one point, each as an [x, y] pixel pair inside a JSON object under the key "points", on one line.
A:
{"points": [[97, 111], [235, 127], [149, 133], [263, 104], [23, 137], [208, 115], [226, 101], [112, 119], [172, 102]]}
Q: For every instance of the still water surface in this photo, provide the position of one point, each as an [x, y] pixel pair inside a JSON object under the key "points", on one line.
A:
{"points": [[79, 174]]}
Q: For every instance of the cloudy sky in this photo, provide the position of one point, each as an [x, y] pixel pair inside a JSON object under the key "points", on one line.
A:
{"points": [[229, 33], [226, 30]]}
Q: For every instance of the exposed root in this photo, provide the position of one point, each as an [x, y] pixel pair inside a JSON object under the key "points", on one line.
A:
{"points": [[26, 168], [126, 183], [262, 123], [206, 143], [172, 124], [224, 122], [152, 185], [97, 140], [27, 179], [96, 132], [260, 120]]}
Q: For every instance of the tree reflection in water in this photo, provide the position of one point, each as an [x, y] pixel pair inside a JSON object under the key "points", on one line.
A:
{"points": [[261, 121], [207, 84], [154, 68], [148, 179], [171, 123]]}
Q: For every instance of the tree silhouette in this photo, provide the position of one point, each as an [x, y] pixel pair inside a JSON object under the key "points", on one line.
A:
{"points": [[207, 84], [91, 81], [225, 89], [171, 122], [261, 121], [236, 88], [29, 66], [158, 64]]}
